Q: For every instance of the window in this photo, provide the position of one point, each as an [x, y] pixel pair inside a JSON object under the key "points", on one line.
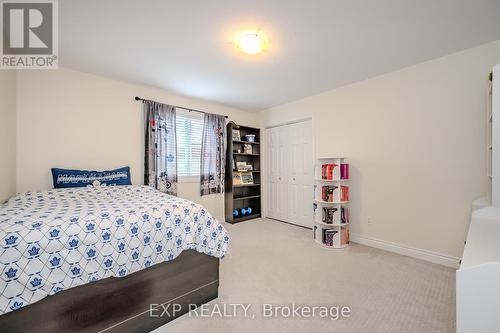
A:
{"points": [[189, 130]]}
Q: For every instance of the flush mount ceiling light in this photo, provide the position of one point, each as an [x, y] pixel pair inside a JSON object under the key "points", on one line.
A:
{"points": [[251, 43]]}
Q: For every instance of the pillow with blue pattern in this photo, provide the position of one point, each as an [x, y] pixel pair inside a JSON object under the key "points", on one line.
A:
{"points": [[64, 178]]}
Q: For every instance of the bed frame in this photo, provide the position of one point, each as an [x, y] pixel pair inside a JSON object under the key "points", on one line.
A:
{"points": [[123, 304]]}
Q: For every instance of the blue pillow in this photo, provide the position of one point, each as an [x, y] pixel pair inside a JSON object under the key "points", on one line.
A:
{"points": [[64, 178]]}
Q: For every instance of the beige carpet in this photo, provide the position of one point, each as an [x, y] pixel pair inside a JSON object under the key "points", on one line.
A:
{"points": [[273, 262]]}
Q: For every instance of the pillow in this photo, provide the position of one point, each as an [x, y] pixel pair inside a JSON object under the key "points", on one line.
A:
{"points": [[64, 178]]}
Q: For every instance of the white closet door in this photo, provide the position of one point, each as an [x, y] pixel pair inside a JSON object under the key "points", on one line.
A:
{"points": [[282, 197], [290, 165], [277, 203], [273, 172], [300, 174]]}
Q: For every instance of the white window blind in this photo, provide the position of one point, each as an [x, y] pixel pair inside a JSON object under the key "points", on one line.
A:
{"points": [[189, 130]]}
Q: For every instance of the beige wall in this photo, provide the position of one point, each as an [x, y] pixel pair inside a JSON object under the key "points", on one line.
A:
{"points": [[71, 119], [415, 139], [7, 134], [416, 143]]}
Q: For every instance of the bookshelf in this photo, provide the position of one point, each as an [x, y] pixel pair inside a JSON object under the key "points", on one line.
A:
{"points": [[243, 181], [489, 137], [493, 144], [492, 197], [331, 203]]}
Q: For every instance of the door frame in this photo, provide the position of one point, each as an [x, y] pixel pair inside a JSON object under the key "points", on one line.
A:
{"points": [[265, 161]]}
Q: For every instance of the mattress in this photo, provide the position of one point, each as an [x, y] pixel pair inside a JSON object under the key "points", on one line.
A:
{"points": [[58, 239]]}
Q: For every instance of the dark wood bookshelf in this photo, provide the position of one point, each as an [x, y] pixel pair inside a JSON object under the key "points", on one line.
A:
{"points": [[245, 218], [243, 185], [252, 143], [240, 196], [246, 197], [246, 154]]}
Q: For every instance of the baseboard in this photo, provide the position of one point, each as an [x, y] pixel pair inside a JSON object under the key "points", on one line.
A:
{"points": [[409, 251]]}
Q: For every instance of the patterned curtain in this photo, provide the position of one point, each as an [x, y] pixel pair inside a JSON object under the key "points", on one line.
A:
{"points": [[160, 169], [213, 154]]}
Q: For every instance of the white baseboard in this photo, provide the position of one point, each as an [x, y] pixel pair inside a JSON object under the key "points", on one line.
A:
{"points": [[409, 251]]}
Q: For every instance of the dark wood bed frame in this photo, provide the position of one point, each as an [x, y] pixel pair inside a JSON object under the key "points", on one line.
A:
{"points": [[123, 304]]}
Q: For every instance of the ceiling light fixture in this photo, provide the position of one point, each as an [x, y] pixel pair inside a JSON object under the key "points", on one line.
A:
{"points": [[251, 43]]}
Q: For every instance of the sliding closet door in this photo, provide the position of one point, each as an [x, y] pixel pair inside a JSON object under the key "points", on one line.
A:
{"points": [[277, 197], [290, 173], [300, 174]]}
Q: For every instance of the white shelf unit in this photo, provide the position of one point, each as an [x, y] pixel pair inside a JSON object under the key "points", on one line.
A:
{"points": [[478, 295], [492, 197], [493, 131], [489, 137], [336, 208]]}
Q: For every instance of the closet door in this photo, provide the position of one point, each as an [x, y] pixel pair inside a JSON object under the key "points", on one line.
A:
{"points": [[290, 165], [277, 201], [300, 174]]}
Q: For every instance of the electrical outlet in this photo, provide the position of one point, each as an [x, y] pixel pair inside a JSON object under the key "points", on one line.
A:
{"points": [[369, 220]]}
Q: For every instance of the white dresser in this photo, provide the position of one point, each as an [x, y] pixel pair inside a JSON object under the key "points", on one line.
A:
{"points": [[478, 279]]}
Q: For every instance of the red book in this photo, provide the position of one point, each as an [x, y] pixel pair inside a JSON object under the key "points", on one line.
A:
{"points": [[344, 193], [344, 236], [344, 171], [327, 171]]}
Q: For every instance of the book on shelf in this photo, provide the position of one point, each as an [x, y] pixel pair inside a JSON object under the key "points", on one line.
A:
{"points": [[328, 236], [237, 178], [344, 215], [344, 171], [246, 178], [327, 193], [328, 214], [327, 171], [344, 236], [344, 193], [244, 166]]}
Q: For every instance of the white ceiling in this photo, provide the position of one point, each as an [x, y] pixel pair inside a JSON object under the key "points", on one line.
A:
{"points": [[186, 46]]}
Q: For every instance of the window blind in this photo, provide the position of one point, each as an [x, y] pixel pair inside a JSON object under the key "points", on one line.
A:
{"points": [[189, 131]]}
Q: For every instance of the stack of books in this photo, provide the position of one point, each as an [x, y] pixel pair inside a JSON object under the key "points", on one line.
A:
{"points": [[327, 216], [327, 171], [327, 193], [328, 236]]}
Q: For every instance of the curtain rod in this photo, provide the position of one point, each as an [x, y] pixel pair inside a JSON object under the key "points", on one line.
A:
{"points": [[177, 106]]}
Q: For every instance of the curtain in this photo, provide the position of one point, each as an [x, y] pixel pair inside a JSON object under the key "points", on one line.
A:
{"points": [[213, 154], [160, 167]]}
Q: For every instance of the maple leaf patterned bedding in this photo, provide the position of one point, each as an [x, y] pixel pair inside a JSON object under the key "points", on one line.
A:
{"points": [[58, 239]]}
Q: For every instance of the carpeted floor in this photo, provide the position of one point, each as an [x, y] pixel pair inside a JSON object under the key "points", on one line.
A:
{"points": [[273, 262]]}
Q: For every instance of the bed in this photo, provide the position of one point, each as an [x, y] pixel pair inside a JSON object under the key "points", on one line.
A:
{"points": [[100, 258]]}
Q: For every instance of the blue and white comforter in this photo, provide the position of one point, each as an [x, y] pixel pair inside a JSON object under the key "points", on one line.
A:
{"points": [[58, 239]]}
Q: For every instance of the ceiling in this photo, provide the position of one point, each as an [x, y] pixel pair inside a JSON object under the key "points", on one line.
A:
{"points": [[187, 46]]}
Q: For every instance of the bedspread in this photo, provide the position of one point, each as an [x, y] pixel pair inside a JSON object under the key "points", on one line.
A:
{"points": [[58, 239]]}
